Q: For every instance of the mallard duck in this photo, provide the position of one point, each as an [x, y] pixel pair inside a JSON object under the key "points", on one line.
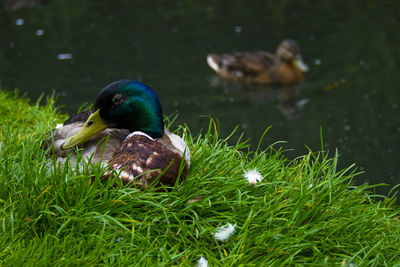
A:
{"points": [[287, 67], [124, 131]]}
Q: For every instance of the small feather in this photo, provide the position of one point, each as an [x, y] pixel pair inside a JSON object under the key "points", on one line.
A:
{"points": [[193, 200], [253, 176], [223, 233], [202, 262]]}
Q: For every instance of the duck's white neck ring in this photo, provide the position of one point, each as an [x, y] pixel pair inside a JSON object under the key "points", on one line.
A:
{"points": [[140, 133]]}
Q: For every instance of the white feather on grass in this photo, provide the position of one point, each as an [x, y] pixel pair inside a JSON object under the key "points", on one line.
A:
{"points": [[253, 176], [202, 262], [224, 232]]}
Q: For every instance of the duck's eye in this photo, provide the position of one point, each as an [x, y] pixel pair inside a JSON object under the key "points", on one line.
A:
{"points": [[117, 99], [89, 123]]}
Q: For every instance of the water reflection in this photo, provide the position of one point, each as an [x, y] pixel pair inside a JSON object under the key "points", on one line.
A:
{"points": [[64, 56], [286, 98]]}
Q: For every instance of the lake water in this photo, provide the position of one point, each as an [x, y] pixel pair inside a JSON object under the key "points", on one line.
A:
{"points": [[352, 91]]}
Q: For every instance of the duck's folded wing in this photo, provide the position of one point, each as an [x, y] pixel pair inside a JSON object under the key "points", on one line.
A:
{"points": [[248, 63], [100, 147], [241, 64], [106, 143], [55, 139]]}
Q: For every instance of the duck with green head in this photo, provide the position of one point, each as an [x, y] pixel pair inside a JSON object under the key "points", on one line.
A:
{"points": [[125, 131]]}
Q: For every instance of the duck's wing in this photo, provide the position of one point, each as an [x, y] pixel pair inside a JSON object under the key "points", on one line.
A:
{"points": [[176, 144], [70, 127], [100, 147], [243, 64], [104, 145], [254, 62], [56, 138]]}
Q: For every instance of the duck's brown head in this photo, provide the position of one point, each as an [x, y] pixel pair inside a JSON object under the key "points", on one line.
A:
{"points": [[289, 52]]}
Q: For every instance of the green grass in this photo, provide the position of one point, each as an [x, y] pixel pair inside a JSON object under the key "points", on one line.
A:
{"points": [[304, 212]]}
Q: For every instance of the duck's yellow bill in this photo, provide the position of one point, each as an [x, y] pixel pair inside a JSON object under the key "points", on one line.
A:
{"points": [[299, 63], [92, 126]]}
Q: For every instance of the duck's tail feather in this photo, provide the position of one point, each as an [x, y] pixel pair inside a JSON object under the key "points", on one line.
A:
{"points": [[214, 61]]}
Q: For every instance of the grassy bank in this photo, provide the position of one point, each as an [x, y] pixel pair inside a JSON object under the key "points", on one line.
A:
{"points": [[304, 211]]}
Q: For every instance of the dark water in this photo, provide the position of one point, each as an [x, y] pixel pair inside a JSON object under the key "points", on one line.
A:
{"points": [[352, 91]]}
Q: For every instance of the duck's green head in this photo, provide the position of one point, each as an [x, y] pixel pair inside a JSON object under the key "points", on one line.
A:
{"points": [[124, 104]]}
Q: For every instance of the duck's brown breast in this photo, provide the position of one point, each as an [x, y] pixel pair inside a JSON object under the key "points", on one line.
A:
{"points": [[287, 74], [141, 160]]}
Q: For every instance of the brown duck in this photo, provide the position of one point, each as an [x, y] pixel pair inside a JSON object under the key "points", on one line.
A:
{"points": [[286, 67]]}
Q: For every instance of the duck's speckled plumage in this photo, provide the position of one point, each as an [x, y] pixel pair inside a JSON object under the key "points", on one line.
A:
{"points": [[142, 159], [138, 157], [261, 67]]}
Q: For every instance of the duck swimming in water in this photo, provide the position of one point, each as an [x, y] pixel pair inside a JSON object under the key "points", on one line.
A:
{"points": [[286, 67], [124, 131]]}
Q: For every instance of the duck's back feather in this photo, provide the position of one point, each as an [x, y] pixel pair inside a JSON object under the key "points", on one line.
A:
{"points": [[241, 65]]}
